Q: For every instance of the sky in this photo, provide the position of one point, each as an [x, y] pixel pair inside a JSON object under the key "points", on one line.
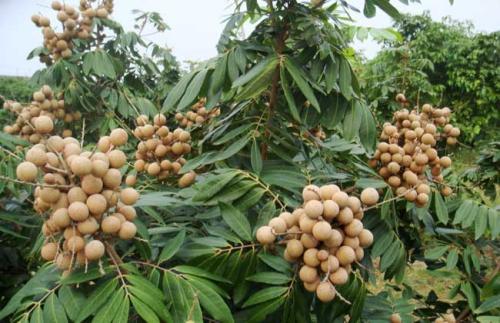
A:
{"points": [[195, 25]]}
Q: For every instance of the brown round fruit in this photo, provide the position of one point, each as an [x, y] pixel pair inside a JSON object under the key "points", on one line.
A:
{"points": [[313, 209], [26, 171], [127, 230], [78, 211], [111, 225], [325, 291], [322, 230], [308, 274], [49, 251], [294, 248], [118, 137], [345, 255], [369, 196], [278, 225], [94, 250], [129, 196]]}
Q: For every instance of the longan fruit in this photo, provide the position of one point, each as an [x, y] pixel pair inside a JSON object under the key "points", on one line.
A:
{"points": [[445, 161], [308, 274], [394, 181], [102, 13], [75, 243], [99, 167], [278, 225], [177, 148], [37, 156], [330, 209], [454, 132], [129, 196], [306, 224], [89, 226], [310, 257], [55, 144], [111, 197], [354, 204], [111, 225], [345, 216], [26, 171], [360, 253], [313, 209], [44, 124], [411, 195], [81, 166], [341, 198], [322, 231], [331, 264], [422, 198], [365, 238], [97, 203], [289, 218], [352, 242], [71, 149], [61, 217], [94, 250], [393, 167], [345, 255], [310, 192], [339, 277], [451, 141], [322, 255], [76, 194], [187, 179], [325, 291], [308, 240], [335, 239], [118, 137], [311, 287], [395, 318], [369, 196], [354, 228], [91, 184], [127, 230], [49, 251], [63, 261], [117, 158], [294, 248], [265, 235], [410, 178], [326, 191], [154, 169], [128, 212], [112, 179], [104, 144], [50, 194], [61, 203], [78, 211], [287, 257]]}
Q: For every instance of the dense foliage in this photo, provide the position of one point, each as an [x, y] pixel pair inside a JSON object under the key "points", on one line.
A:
{"points": [[446, 62], [290, 114], [15, 88]]}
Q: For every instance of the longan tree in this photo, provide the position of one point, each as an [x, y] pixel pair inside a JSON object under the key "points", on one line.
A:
{"points": [[300, 199]]}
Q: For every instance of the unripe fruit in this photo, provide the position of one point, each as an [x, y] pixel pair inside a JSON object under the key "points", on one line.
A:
{"points": [[118, 137], [26, 171], [49, 251], [325, 292], [339, 277], [127, 230], [78, 211], [308, 274], [278, 225], [94, 250], [313, 209], [265, 235], [365, 238], [294, 248], [369, 196], [322, 231], [345, 255], [110, 225]]}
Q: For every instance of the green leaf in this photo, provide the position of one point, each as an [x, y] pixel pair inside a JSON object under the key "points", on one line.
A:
{"points": [[53, 311], [80, 276], [289, 95], [176, 93], [258, 84], [236, 221], [72, 301], [232, 149], [255, 71], [300, 80], [256, 158], [121, 315], [172, 246], [494, 222], [176, 295], [195, 271], [367, 129], [213, 185], [331, 74], [193, 89], [435, 253], [219, 74], [463, 211], [441, 209], [480, 222], [100, 295], [452, 259], [275, 262], [262, 310], [108, 310], [270, 277], [470, 295], [488, 305], [370, 182], [37, 316], [352, 121], [387, 7], [153, 302], [265, 295], [345, 78], [144, 311], [230, 135], [212, 302]]}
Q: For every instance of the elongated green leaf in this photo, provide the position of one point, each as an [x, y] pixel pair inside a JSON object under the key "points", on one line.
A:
{"points": [[175, 95], [463, 211], [289, 95], [37, 316], [270, 277], [275, 262], [387, 7], [370, 182], [435, 253], [470, 295], [192, 90], [352, 121], [258, 84], [72, 300], [151, 301], [441, 209], [176, 295], [254, 71], [53, 311], [108, 310], [144, 311], [97, 299], [195, 271], [232, 149], [452, 259], [261, 311], [265, 295], [345, 78], [213, 185], [219, 75], [233, 134], [480, 222], [367, 129], [488, 305], [256, 158], [331, 74], [212, 302], [494, 222], [172, 247], [236, 221], [121, 315], [300, 81]]}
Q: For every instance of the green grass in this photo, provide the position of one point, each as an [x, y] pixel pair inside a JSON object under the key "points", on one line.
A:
{"points": [[16, 88]]}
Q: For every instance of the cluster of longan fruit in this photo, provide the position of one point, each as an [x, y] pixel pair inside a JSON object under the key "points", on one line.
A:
{"points": [[199, 114], [325, 236], [160, 152], [36, 120], [409, 147], [77, 24], [80, 197]]}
